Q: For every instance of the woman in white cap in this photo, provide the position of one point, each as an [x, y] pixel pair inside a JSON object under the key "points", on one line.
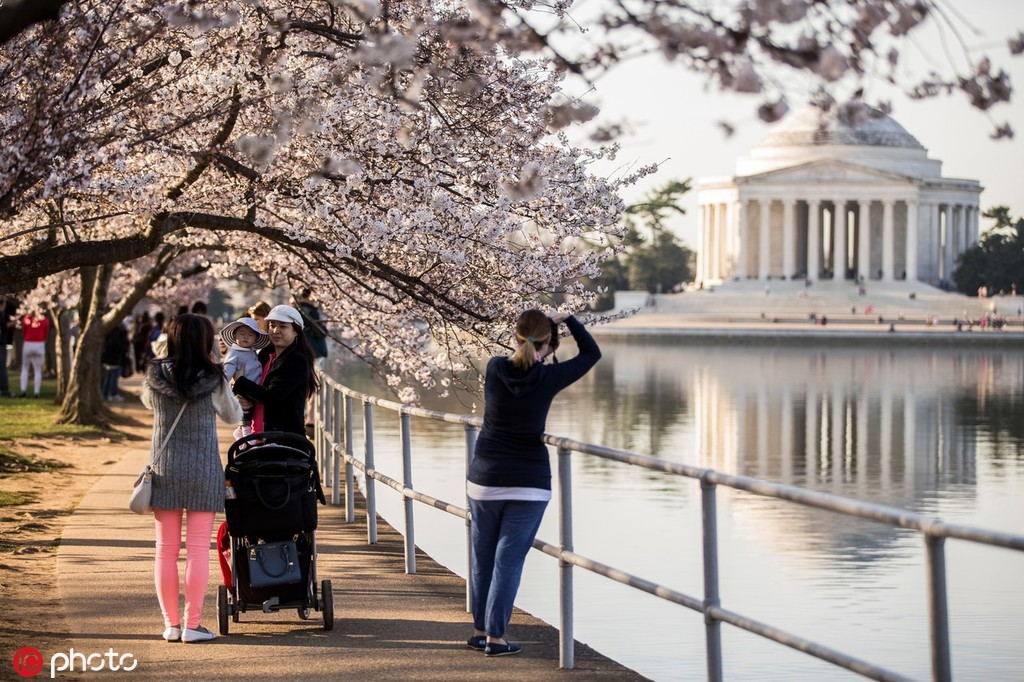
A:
{"points": [[243, 338], [278, 397]]}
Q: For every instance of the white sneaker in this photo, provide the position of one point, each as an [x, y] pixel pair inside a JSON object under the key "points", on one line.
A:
{"points": [[198, 634], [172, 634]]}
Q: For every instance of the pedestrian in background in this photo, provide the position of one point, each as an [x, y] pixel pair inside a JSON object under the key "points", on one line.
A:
{"points": [[509, 482], [113, 357], [259, 311], [8, 308], [35, 328], [316, 332], [188, 389], [140, 339]]}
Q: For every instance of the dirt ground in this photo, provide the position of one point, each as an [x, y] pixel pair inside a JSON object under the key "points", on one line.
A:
{"points": [[30, 533]]}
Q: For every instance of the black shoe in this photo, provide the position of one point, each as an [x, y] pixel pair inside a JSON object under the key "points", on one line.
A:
{"points": [[477, 642], [22, 395], [495, 649]]}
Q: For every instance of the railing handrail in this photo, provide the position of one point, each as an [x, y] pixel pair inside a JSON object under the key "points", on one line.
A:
{"points": [[934, 529], [882, 513]]}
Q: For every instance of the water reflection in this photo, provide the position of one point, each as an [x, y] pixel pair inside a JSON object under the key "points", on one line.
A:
{"points": [[935, 430]]}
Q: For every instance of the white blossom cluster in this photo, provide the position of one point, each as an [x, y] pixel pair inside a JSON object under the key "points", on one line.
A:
{"points": [[401, 166], [777, 50]]}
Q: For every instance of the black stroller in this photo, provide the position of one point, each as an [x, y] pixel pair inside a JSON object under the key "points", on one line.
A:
{"points": [[271, 523]]}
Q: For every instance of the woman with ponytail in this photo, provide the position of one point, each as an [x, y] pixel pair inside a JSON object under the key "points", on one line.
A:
{"points": [[509, 482]]}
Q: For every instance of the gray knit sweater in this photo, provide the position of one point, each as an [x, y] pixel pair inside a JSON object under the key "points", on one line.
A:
{"points": [[188, 473]]}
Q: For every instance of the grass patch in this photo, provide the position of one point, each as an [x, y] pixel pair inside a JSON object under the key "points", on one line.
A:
{"points": [[32, 418], [13, 499], [13, 463]]}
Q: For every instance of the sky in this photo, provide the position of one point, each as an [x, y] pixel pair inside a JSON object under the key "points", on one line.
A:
{"points": [[673, 115]]}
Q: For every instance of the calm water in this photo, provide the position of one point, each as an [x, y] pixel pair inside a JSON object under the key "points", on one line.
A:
{"points": [[937, 431]]}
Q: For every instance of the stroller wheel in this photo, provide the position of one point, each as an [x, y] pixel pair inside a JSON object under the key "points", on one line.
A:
{"points": [[303, 612], [327, 604], [223, 607]]}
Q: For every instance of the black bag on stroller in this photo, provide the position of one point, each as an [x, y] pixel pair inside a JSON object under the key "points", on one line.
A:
{"points": [[276, 487]]}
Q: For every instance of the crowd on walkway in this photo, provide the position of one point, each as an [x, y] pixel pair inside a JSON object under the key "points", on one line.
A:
{"points": [[259, 372]]}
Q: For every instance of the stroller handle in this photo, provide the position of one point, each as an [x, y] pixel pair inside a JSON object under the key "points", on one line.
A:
{"points": [[295, 440]]}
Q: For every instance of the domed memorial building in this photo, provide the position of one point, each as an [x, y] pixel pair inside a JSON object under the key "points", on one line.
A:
{"points": [[821, 199]]}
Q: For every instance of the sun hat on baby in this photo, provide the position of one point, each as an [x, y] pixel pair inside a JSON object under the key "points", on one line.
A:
{"points": [[227, 334]]}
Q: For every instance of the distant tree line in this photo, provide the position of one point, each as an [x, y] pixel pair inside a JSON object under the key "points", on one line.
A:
{"points": [[652, 259], [996, 262]]}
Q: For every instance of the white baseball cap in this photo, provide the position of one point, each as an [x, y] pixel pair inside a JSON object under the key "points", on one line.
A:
{"points": [[285, 313]]}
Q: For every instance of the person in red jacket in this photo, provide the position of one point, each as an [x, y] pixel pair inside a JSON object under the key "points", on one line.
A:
{"points": [[34, 330]]}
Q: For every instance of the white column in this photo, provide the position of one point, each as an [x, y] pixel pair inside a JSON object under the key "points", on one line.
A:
{"points": [[702, 269], [741, 236], [764, 250], [947, 251], [912, 229], [812, 239], [788, 240], [976, 225], [839, 240], [864, 239], [713, 242], [936, 231], [958, 221], [723, 241], [887, 239]]}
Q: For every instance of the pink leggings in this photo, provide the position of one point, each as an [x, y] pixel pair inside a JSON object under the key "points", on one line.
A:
{"points": [[199, 525]]}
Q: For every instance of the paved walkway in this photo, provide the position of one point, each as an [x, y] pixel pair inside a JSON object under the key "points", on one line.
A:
{"points": [[389, 625]]}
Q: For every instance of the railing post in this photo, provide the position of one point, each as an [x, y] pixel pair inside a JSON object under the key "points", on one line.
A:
{"points": [[350, 478], [336, 450], [712, 627], [938, 610], [566, 642], [405, 422], [318, 427], [324, 413], [471, 432], [371, 495]]}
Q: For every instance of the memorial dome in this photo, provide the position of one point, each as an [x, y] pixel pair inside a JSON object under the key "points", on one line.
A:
{"points": [[811, 127]]}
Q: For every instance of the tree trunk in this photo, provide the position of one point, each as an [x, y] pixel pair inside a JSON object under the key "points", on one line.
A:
{"points": [[62, 324], [83, 402]]}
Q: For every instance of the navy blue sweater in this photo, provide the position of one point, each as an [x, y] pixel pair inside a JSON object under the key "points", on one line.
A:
{"points": [[509, 449]]}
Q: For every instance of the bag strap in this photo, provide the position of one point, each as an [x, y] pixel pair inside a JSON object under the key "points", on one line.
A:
{"points": [[169, 433]]}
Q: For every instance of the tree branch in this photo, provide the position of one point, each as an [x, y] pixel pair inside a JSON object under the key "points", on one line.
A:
{"points": [[18, 15]]}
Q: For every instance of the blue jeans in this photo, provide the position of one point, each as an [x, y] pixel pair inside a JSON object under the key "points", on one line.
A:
{"points": [[503, 531], [110, 379]]}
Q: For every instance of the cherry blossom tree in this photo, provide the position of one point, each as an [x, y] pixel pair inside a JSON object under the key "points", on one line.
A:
{"points": [[403, 158], [411, 180], [99, 298]]}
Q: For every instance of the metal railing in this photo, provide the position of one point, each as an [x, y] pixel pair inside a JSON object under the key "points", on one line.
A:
{"points": [[334, 413]]}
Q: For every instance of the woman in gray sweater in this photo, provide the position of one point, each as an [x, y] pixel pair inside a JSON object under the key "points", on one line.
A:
{"points": [[189, 388]]}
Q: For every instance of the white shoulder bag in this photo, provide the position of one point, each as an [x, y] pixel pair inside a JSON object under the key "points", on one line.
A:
{"points": [[142, 491]]}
